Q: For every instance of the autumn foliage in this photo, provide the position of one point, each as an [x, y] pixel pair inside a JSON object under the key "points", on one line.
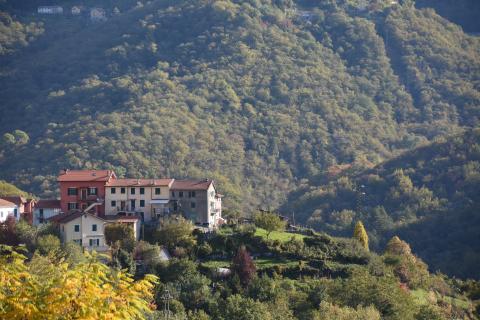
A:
{"points": [[243, 266], [56, 290]]}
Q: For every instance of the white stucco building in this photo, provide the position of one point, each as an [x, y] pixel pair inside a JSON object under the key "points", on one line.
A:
{"points": [[8, 208], [45, 209]]}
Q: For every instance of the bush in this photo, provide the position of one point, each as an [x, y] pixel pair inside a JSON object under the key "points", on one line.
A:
{"points": [[48, 244]]}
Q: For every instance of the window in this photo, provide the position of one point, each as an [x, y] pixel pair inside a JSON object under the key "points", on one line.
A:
{"points": [[142, 203], [180, 194], [193, 194], [76, 228], [157, 191], [78, 241], [92, 191], [132, 204], [72, 191], [132, 190], [15, 213], [72, 205], [113, 190], [122, 190], [113, 203], [94, 227], [173, 194], [142, 190], [192, 205], [94, 242], [41, 212]]}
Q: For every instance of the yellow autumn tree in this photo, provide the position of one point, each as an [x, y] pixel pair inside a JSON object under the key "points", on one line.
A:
{"points": [[361, 234], [48, 289]]}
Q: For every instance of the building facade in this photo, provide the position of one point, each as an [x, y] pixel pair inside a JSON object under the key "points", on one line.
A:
{"points": [[80, 189], [85, 229], [44, 210], [198, 201], [24, 207], [8, 208], [149, 198]]}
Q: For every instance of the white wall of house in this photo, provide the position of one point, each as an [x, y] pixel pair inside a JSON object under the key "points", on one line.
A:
{"points": [[6, 211], [82, 231], [42, 214]]}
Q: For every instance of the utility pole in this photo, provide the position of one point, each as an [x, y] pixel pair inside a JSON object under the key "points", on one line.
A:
{"points": [[166, 297]]}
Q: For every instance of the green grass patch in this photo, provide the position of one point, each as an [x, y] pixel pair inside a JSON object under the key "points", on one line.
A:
{"points": [[421, 296], [261, 263], [282, 236]]}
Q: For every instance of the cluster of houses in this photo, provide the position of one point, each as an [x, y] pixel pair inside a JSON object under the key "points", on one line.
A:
{"points": [[90, 199], [95, 14]]}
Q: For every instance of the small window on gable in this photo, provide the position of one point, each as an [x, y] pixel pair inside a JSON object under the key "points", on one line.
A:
{"points": [[94, 227]]}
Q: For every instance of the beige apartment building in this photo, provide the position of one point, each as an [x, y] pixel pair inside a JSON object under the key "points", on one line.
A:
{"points": [[148, 198]]}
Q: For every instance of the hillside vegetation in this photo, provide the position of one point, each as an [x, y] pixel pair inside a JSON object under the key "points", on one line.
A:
{"points": [[429, 196], [247, 92]]}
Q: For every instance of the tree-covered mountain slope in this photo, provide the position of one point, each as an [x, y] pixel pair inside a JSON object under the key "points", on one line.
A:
{"points": [[255, 94], [429, 196]]}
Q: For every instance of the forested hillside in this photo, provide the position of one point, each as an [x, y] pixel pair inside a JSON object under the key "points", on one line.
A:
{"points": [[429, 196], [255, 94]]}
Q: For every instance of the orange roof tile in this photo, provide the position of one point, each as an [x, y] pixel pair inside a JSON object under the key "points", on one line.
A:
{"points": [[85, 175], [139, 182], [18, 200], [192, 184], [48, 204], [6, 204]]}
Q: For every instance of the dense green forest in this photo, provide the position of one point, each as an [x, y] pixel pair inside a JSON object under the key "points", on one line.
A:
{"points": [[429, 196], [260, 95], [250, 93]]}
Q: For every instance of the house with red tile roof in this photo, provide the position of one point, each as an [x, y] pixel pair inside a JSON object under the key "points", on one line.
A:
{"points": [[24, 206], [150, 199], [81, 188], [197, 200], [88, 230]]}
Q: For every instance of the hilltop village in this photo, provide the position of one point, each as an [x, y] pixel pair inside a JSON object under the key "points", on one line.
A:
{"points": [[91, 199]]}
